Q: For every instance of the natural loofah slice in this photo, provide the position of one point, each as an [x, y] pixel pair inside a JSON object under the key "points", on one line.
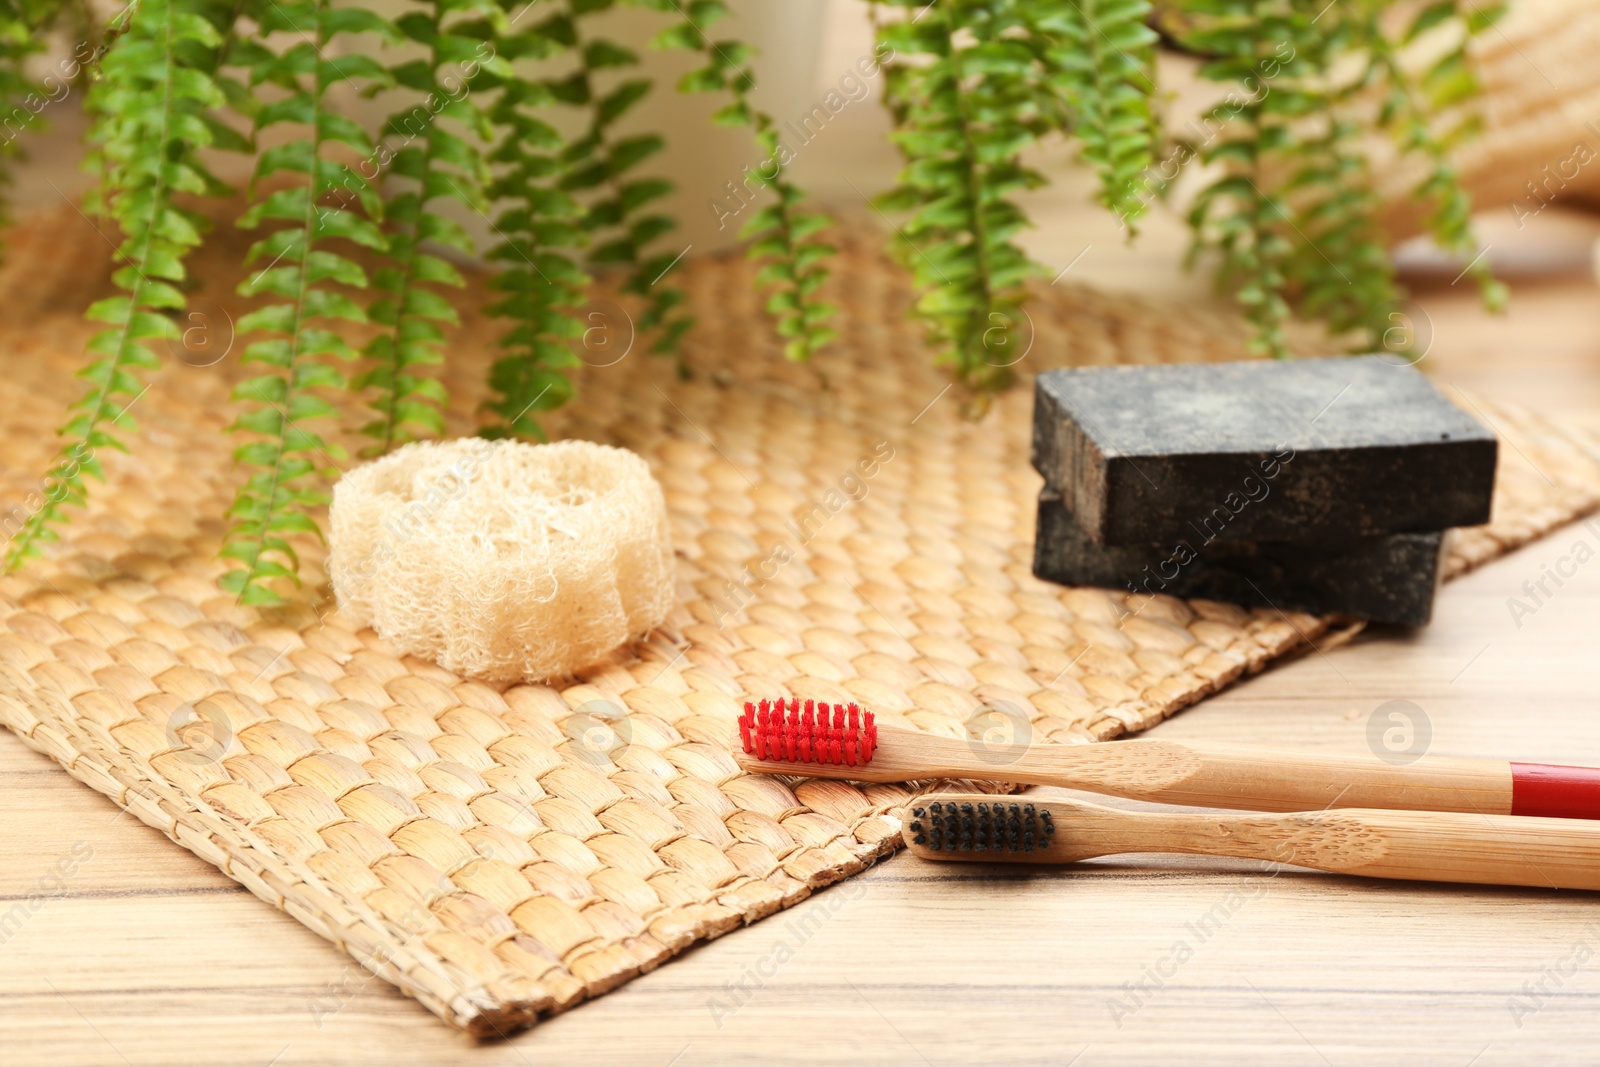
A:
{"points": [[503, 560]]}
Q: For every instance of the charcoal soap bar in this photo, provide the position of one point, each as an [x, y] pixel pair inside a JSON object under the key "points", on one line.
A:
{"points": [[1389, 578], [1261, 450]]}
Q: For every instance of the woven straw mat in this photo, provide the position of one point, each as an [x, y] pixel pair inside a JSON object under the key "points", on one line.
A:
{"points": [[497, 854]]}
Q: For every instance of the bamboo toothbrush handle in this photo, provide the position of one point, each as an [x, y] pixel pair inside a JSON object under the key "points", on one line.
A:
{"points": [[1489, 849], [1236, 776], [1262, 779], [1415, 845]]}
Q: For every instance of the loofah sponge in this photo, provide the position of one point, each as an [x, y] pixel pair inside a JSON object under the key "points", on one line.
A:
{"points": [[501, 560]]}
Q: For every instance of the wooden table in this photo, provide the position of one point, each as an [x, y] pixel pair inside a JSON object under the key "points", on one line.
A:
{"points": [[150, 956]]}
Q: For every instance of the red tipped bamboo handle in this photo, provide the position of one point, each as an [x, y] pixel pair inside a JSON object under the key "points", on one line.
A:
{"points": [[1415, 845], [1227, 776]]}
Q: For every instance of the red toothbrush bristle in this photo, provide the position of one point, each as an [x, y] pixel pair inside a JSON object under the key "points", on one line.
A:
{"points": [[790, 732]]}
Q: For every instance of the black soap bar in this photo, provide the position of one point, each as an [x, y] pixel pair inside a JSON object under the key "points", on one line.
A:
{"points": [[1262, 450], [1389, 578]]}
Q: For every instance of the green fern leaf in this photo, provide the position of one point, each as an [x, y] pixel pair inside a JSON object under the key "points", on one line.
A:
{"points": [[334, 202], [423, 147], [779, 236], [1293, 214], [1411, 113], [540, 228], [157, 81], [969, 94], [599, 170], [1101, 57]]}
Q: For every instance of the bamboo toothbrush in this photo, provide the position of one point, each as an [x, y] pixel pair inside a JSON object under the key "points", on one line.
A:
{"points": [[1425, 846], [838, 741]]}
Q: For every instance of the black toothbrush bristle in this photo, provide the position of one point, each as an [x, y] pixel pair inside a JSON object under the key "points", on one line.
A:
{"points": [[982, 827]]}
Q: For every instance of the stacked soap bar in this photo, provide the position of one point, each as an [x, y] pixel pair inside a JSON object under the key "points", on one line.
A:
{"points": [[1320, 485]]}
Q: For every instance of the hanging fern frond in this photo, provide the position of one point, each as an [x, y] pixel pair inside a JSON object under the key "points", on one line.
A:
{"points": [[540, 229], [1101, 54], [1410, 112], [22, 97], [1243, 215], [782, 237], [332, 202], [1341, 271], [974, 98], [422, 146], [151, 111], [621, 219], [1294, 215]]}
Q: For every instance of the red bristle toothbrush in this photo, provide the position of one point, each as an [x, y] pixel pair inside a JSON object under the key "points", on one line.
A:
{"points": [[807, 736], [839, 741]]}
